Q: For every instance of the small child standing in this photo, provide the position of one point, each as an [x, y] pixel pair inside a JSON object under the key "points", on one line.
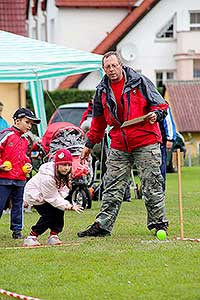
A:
{"points": [[14, 165], [46, 191]]}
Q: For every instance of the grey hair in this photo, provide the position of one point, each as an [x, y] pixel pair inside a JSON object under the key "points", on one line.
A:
{"points": [[110, 53]]}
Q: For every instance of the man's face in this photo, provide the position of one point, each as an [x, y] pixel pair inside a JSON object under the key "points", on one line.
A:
{"points": [[113, 68]]}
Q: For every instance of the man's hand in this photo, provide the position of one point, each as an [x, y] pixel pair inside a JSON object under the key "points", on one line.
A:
{"points": [[85, 154], [151, 117]]}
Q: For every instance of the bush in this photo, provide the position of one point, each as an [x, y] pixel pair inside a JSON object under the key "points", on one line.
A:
{"points": [[55, 98]]}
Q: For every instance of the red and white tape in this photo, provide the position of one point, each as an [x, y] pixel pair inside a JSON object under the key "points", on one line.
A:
{"points": [[18, 296]]}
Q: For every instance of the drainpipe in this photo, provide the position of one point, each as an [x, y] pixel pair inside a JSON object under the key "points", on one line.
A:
{"points": [[35, 18], [19, 95], [44, 13], [45, 25], [46, 36]]}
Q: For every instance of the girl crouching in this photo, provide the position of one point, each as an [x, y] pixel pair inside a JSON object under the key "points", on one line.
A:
{"points": [[47, 191]]}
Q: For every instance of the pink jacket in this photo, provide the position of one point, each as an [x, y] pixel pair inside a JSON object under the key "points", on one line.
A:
{"points": [[42, 188]]}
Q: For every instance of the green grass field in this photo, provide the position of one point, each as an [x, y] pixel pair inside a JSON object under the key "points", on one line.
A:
{"points": [[131, 264]]}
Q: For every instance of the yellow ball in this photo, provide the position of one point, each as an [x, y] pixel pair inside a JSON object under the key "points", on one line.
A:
{"points": [[7, 164], [161, 234], [25, 169]]}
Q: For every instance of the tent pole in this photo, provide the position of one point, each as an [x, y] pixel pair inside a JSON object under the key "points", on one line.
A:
{"points": [[37, 95]]}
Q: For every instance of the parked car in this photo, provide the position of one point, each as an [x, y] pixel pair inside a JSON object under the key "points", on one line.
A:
{"points": [[179, 143], [71, 113]]}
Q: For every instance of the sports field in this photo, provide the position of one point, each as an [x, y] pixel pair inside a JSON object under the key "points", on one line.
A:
{"points": [[131, 264]]}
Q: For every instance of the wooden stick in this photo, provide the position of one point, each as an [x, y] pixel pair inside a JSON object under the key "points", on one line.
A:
{"points": [[180, 193]]}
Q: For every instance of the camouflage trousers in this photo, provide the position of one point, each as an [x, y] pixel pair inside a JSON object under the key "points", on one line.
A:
{"points": [[119, 163]]}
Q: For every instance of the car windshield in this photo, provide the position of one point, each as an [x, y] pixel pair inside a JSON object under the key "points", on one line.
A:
{"points": [[71, 115]]}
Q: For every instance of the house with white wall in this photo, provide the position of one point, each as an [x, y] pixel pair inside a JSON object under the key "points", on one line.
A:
{"points": [[159, 38], [81, 24]]}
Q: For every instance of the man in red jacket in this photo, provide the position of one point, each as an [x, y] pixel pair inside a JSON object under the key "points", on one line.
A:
{"points": [[123, 95], [14, 165]]}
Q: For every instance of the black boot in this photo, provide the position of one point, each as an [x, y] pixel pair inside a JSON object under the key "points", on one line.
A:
{"points": [[94, 230]]}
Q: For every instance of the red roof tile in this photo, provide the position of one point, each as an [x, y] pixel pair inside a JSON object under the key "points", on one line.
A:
{"points": [[184, 99], [124, 26], [69, 81], [117, 34], [95, 3], [13, 16]]}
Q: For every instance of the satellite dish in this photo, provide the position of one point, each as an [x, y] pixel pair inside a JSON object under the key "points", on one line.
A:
{"points": [[128, 51]]}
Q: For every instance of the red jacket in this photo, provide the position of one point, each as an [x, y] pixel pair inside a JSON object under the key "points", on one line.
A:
{"points": [[13, 147], [139, 97]]}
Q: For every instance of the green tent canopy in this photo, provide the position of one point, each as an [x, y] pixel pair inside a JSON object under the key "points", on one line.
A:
{"points": [[24, 59]]}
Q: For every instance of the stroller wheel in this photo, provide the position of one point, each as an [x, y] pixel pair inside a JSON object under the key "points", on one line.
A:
{"points": [[81, 197]]}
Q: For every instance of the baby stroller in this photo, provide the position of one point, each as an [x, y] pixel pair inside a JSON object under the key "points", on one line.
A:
{"points": [[40, 149], [71, 137]]}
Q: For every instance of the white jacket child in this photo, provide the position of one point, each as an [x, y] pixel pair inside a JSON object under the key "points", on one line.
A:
{"points": [[42, 188]]}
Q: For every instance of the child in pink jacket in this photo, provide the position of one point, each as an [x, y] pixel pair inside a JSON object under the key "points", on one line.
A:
{"points": [[47, 191]]}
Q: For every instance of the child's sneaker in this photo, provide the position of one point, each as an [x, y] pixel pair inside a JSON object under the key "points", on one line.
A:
{"points": [[54, 240], [31, 241]]}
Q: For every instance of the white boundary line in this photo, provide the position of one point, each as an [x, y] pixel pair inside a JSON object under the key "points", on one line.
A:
{"points": [[175, 239], [196, 240], [39, 247], [156, 241]]}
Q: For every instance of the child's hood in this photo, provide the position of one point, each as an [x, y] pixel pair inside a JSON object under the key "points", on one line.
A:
{"points": [[47, 169]]}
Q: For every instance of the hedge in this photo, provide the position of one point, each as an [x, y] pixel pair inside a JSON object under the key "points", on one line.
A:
{"points": [[55, 98]]}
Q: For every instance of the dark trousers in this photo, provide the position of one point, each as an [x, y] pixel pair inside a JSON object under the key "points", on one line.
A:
{"points": [[15, 193], [163, 166], [51, 218]]}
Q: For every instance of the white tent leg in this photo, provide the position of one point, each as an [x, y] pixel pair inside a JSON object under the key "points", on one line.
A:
{"points": [[37, 95]]}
